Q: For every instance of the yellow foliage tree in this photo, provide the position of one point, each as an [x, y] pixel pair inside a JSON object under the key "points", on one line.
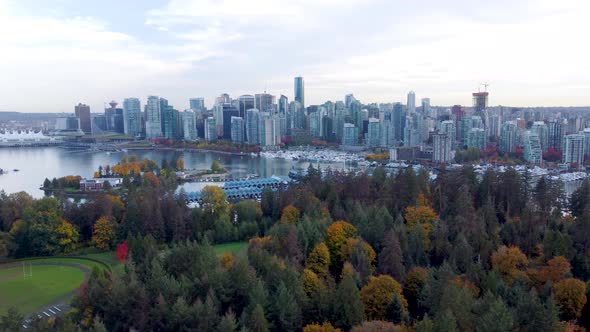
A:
{"points": [[510, 262], [66, 236], [336, 237], [570, 296], [227, 260], [347, 249], [326, 327], [421, 215], [377, 294], [311, 282], [319, 259], [290, 215], [179, 164], [214, 200], [103, 233]]}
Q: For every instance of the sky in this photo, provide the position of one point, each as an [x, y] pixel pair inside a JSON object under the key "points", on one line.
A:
{"points": [[56, 53]]}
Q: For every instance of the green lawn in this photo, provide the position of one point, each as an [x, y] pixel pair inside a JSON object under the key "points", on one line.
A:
{"points": [[47, 284], [232, 248]]}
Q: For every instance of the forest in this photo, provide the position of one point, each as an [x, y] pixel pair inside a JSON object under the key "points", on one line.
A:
{"points": [[334, 252]]}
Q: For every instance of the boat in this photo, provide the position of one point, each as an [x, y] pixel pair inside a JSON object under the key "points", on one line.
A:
{"points": [[15, 170]]}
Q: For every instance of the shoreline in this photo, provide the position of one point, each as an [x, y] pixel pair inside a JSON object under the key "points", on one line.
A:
{"points": [[191, 149]]}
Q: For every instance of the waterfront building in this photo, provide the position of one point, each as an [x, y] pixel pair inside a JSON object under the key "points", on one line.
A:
{"points": [[132, 116], [251, 120], [245, 102], [153, 118], [171, 120], [350, 134], [189, 125], [476, 138], [573, 151], [67, 123], [82, 112], [442, 148], [267, 130], [299, 91], [532, 148], [210, 129], [237, 129], [586, 133], [228, 112], [264, 102]]}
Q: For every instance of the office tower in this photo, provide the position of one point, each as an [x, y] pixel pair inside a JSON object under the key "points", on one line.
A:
{"points": [[476, 138], [399, 122], [350, 134], [373, 138], [556, 132], [82, 112], [465, 125], [237, 129], [245, 102], [223, 99], [170, 120], [448, 127], [99, 123], [264, 102], [267, 129], [283, 106], [508, 135], [387, 129], [189, 125], [282, 131], [114, 118], [228, 112], [441, 148], [573, 151], [349, 99], [411, 132], [339, 123], [300, 91], [542, 131], [252, 136], [153, 118], [495, 125], [426, 106], [210, 129], [67, 123], [411, 102], [586, 133], [315, 123], [296, 115], [132, 116], [197, 104], [532, 148], [355, 113], [457, 112]]}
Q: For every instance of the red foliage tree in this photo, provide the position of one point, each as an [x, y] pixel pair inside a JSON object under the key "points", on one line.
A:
{"points": [[122, 251]]}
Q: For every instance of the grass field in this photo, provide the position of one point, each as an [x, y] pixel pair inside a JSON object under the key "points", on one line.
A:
{"points": [[232, 248], [48, 283]]}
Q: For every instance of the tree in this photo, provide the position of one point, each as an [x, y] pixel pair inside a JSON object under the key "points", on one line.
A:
{"points": [[378, 293], [497, 318], [556, 269], [391, 259], [286, 311], [103, 233], [66, 236], [446, 322], [325, 327], [215, 167], [256, 321], [319, 259], [376, 326], [396, 311], [415, 281], [421, 215], [179, 164], [11, 320], [214, 201], [337, 235], [570, 296], [122, 251], [510, 263], [348, 307], [228, 321], [290, 215]]}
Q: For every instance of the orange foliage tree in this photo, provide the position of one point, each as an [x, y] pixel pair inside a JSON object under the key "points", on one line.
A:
{"points": [[570, 296], [422, 215], [337, 235], [510, 262], [290, 215], [378, 293], [315, 327]]}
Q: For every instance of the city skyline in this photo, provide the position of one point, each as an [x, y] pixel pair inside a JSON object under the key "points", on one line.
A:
{"points": [[63, 53]]}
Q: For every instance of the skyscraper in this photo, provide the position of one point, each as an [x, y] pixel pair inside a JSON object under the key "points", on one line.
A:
{"points": [[411, 102], [264, 102], [210, 129], [373, 133], [252, 136], [532, 148], [441, 148], [132, 116], [508, 137], [228, 112], [476, 138], [426, 106], [245, 103], [350, 134], [542, 131], [448, 127], [573, 151], [237, 129], [82, 112], [283, 105], [300, 90], [399, 122], [556, 131], [153, 118], [189, 125], [197, 104]]}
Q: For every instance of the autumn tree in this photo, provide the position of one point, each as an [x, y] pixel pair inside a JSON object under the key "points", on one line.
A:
{"points": [[290, 215], [378, 293], [510, 262], [325, 327], [570, 296], [103, 233], [421, 215], [337, 235], [179, 164], [319, 259], [122, 251]]}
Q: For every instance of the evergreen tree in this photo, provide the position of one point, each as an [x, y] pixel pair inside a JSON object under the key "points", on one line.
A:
{"points": [[348, 308], [391, 260]]}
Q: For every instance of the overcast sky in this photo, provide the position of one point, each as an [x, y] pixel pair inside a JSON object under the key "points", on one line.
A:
{"points": [[56, 53]]}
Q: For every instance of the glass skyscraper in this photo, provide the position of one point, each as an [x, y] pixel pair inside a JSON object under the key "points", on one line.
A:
{"points": [[132, 116], [300, 90]]}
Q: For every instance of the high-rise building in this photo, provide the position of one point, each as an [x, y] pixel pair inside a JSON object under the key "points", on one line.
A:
{"points": [[541, 129], [457, 112], [237, 129], [153, 118], [300, 91], [267, 129], [132, 116], [532, 148], [411, 102], [586, 133], [348, 100], [448, 127], [426, 106], [508, 135], [197, 104], [82, 112], [350, 134], [441, 148], [189, 125], [373, 138], [245, 102], [264, 102], [399, 122], [480, 101], [210, 129], [283, 105], [170, 121], [476, 138], [556, 132], [252, 116], [228, 112], [223, 99], [573, 151], [114, 118]]}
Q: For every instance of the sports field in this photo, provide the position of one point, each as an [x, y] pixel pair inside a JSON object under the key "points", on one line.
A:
{"points": [[232, 248], [47, 284]]}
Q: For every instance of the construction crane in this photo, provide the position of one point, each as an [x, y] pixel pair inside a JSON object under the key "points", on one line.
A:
{"points": [[485, 86]]}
